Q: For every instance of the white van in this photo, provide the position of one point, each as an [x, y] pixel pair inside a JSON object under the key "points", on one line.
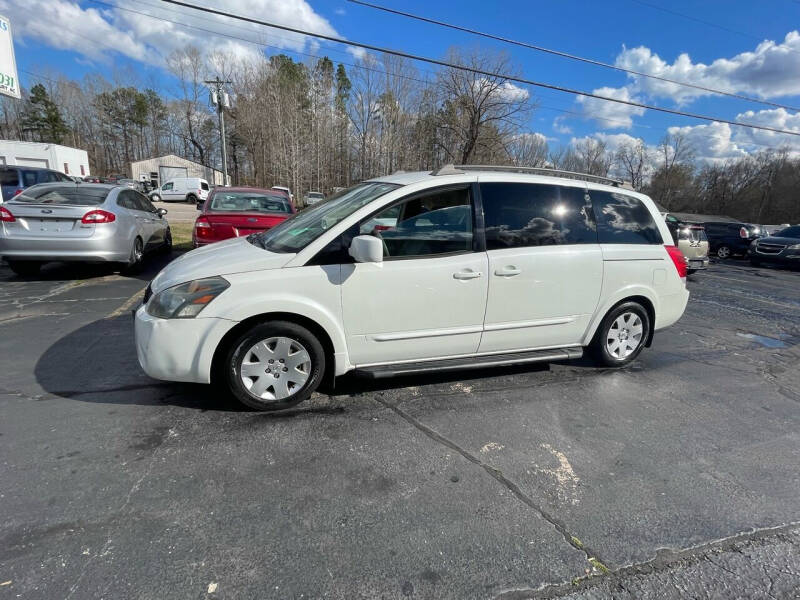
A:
{"points": [[462, 268], [182, 189]]}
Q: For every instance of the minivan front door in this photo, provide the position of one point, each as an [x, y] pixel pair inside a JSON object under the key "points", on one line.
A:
{"points": [[427, 298], [545, 265]]}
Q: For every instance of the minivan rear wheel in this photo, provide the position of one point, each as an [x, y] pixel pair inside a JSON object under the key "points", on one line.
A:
{"points": [[275, 366], [622, 335]]}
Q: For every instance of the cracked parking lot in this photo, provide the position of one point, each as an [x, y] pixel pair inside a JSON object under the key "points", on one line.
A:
{"points": [[673, 478]]}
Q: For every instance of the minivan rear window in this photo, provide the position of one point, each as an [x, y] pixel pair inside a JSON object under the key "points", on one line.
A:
{"points": [[203, 185], [68, 195], [623, 219]]}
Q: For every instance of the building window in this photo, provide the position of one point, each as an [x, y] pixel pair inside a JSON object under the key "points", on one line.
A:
{"points": [[66, 168]]}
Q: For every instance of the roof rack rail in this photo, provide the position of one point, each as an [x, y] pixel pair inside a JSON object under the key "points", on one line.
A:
{"points": [[459, 169]]}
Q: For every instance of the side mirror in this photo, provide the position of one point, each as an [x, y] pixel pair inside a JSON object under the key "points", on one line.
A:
{"points": [[366, 248], [161, 212]]}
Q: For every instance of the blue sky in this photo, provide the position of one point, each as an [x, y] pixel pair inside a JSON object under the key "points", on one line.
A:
{"points": [[74, 38]]}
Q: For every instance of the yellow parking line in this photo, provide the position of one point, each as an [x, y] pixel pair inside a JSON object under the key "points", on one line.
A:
{"points": [[127, 305]]}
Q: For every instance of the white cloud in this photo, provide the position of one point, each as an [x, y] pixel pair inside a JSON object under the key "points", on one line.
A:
{"points": [[340, 11], [777, 118], [513, 93], [97, 34], [610, 115], [560, 127], [771, 70], [357, 53]]}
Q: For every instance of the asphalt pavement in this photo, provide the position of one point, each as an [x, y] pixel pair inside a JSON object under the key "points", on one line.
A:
{"points": [[676, 477]]}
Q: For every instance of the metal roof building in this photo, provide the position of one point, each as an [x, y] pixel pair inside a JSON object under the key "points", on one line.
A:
{"points": [[161, 169]]}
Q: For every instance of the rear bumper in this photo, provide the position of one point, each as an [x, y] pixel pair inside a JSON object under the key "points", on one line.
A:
{"points": [[697, 264], [78, 249], [671, 308]]}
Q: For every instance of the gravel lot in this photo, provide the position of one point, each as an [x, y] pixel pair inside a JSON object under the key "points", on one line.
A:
{"points": [[674, 478]]}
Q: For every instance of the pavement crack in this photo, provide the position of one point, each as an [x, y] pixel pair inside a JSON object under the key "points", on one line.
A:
{"points": [[572, 540]]}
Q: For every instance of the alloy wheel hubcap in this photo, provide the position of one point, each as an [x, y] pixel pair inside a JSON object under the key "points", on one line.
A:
{"points": [[275, 368], [723, 252], [137, 251], [624, 335]]}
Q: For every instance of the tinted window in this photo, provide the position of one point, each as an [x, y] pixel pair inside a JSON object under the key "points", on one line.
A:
{"points": [[74, 195], [435, 223], [9, 177], [203, 185], [623, 219], [125, 200], [522, 214], [793, 232], [28, 178], [143, 203]]}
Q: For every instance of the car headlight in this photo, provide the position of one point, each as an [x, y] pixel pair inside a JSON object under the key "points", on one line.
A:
{"points": [[795, 247], [185, 301]]}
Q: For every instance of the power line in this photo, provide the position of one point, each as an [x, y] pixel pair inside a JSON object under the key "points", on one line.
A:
{"points": [[569, 56], [424, 82], [476, 71]]}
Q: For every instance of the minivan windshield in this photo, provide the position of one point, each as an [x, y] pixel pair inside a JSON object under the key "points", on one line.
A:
{"points": [[793, 232], [299, 231]]}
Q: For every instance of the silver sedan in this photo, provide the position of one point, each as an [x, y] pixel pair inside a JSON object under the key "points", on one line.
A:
{"points": [[80, 222]]}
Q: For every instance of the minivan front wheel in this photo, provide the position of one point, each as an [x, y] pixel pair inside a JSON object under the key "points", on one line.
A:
{"points": [[622, 335], [275, 366]]}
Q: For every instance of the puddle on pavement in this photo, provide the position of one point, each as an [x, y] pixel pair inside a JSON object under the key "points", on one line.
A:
{"points": [[767, 342]]}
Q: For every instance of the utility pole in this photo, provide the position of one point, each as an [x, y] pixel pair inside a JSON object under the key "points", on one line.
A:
{"points": [[220, 99]]}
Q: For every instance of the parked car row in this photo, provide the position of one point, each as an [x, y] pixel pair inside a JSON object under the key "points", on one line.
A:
{"points": [[783, 247]]}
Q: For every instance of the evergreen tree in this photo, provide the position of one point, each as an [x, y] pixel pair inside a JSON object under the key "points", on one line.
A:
{"points": [[42, 117]]}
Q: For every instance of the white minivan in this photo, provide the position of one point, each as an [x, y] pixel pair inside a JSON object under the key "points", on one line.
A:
{"points": [[182, 189], [464, 267]]}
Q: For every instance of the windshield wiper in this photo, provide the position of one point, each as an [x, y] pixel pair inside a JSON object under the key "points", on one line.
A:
{"points": [[255, 239]]}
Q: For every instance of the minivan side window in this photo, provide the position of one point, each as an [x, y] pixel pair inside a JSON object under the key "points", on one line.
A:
{"points": [[623, 219], [519, 215], [203, 185], [426, 225], [167, 186]]}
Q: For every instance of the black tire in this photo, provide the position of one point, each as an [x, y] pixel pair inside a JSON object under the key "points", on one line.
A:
{"points": [[240, 348], [724, 251], [191, 199], [167, 247], [25, 267], [136, 258], [604, 335]]}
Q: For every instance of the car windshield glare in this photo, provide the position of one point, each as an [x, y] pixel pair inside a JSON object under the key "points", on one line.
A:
{"points": [[69, 195], [249, 202], [297, 232]]}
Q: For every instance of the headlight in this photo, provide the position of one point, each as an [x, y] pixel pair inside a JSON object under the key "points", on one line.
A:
{"points": [[185, 301], [795, 247]]}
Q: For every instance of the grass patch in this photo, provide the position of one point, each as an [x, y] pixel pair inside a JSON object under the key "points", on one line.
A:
{"points": [[599, 566], [181, 236]]}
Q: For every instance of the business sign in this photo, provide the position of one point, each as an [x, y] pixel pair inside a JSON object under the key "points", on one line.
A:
{"points": [[9, 82]]}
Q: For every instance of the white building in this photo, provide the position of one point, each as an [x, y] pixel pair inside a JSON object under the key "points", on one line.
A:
{"points": [[70, 161], [161, 169]]}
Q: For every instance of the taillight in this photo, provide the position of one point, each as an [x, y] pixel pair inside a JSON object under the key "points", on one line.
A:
{"points": [[202, 227], [678, 259], [743, 233], [93, 217], [6, 216]]}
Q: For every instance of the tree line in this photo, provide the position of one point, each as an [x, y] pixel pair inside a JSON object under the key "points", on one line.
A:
{"points": [[318, 125]]}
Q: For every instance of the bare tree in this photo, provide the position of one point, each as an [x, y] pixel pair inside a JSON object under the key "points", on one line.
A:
{"points": [[634, 162], [528, 150], [480, 110], [593, 156]]}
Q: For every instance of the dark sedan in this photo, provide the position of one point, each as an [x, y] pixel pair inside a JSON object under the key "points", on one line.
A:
{"points": [[782, 248]]}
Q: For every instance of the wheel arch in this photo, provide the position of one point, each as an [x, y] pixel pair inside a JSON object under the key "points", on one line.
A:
{"points": [[641, 298], [237, 330]]}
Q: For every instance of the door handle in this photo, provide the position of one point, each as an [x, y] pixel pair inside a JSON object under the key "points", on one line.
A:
{"points": [[467, 275], [507, 272]]}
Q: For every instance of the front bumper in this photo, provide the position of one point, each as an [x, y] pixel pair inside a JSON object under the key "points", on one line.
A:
{"points": [[178, 349], [786, 256]]}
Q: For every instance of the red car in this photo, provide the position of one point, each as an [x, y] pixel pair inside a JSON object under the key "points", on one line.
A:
{"points": [[238, 211]]}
